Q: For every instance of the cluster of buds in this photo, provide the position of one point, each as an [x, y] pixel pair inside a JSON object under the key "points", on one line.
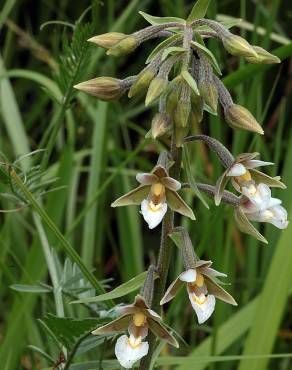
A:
{"points": [[193, 88], [182, 77]]}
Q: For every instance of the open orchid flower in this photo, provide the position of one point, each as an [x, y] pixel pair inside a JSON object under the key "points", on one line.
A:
{"points": [[156, 192], [203, 288], [263, 208], [258, 205], [137, 318], [244, 176]]}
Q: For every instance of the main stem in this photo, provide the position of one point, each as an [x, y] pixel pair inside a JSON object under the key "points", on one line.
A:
{"points": [[164, 254]]}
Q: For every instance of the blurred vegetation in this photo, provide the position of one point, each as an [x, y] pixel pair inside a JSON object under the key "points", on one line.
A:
{"points": [[94, 149]]}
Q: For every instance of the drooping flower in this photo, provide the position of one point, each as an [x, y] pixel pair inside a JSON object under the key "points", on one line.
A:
{"points": [[244, 176], [203, 288], [261, 207], [258, 205], [137, 318], [156, 193]]}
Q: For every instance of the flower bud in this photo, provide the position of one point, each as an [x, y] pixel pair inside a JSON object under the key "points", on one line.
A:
{"points": [[107, 40], [125, 46], [173, 95], [161, 125], [209, 93], [143, 80], [156, 88], [197, 108], [263, 57], [238, 46], [104, 88], [239, 117], [182, 114]]}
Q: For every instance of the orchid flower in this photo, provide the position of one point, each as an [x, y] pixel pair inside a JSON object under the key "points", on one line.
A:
{"points": [[244, 176], [263, 208], [137, 318], [156, 193], [202, 287]]}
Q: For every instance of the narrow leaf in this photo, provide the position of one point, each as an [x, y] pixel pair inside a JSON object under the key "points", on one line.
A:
{"points": [[172, 50], [123, 289], [190, 81], [160, 20], [209, 55], [199, 10], [162, 45], [30, 288]]}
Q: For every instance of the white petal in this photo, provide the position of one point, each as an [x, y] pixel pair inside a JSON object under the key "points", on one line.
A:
{"points": [[280, 217], [189, 276], [254, 163], [274, 202], [276, 216], [237, 169], [259, 195], [126, 354], [204, 310], [153, 218]]}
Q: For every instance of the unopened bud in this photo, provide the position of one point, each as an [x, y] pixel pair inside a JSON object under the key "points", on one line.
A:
{"points": [[182, 114], [161, 125], [125, 46], [238, 46], [263, 57], [104, 88], [155, 90], [172, 98], [142, 83], [107, 40], [209, 93], [239, 117], [197, 107]]}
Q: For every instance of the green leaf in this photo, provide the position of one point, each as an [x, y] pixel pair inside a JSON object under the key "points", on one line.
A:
{"points": [[172, 50], [162, 45], [209, 55], [199, 10], [160, 20], [49, 85], [123, 289], [30, 288], [68, 330], [190, 81], [191, 180]]}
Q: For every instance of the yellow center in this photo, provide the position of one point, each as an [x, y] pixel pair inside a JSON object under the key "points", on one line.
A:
{"points": [[244, 177], [199, 280], [154, 207], [199, 300], [157, 189], [134, 342], [139, 319]]}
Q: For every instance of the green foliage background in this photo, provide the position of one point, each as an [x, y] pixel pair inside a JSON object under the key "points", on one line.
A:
{"points": [[94, 149]]}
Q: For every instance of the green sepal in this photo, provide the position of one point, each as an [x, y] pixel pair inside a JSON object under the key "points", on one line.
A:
{"points": [[245, 226], [133, 197], [177, 204]]}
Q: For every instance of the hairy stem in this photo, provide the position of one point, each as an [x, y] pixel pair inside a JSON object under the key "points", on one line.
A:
{"points": [[164, 254]]}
